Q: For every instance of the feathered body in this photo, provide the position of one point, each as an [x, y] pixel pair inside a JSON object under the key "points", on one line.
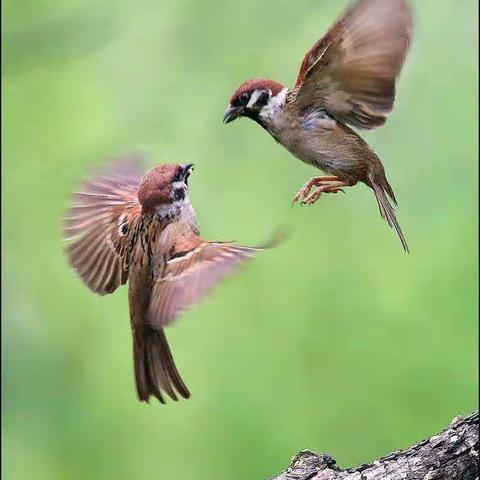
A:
{"points": [[144, 230], [346, 78]]}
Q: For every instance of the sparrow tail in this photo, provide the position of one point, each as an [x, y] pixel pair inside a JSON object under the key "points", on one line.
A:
{"points": [[387, 211], [155, 370]]}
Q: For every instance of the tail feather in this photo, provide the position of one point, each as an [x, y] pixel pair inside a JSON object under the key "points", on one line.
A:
{"points": [[155, 370], [387, 187], [386, 210]]}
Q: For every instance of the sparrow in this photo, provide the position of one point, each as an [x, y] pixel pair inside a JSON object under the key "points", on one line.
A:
{"points": [[347, 79], [125, 227]]}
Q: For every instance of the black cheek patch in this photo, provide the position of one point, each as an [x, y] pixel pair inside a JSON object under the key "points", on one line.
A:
{"points": [[179, 194], [262, 100]]}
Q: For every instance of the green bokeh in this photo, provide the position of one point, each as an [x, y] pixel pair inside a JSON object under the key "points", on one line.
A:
{"points": [[335, 341]]}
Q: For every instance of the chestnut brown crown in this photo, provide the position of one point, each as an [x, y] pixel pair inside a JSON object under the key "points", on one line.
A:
{"points": [[249, 86], [163, 185], [249, 99]]}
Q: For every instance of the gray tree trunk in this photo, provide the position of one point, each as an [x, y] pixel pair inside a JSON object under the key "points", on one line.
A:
{"points": [[450, 455]]}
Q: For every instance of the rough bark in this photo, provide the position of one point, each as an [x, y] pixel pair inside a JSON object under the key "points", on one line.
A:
{"points": [[450, 455]]}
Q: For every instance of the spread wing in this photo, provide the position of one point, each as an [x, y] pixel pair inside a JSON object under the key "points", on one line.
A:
{"points": [[190, 268], [100, 226], [351, 71]]}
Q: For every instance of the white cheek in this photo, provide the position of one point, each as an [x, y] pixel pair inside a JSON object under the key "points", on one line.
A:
{"points": [[183, 186], [178, 185], [253, 99], [176, 208], [275, 104]]}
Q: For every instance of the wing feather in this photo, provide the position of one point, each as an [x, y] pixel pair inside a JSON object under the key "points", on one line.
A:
{"points": [[190, 270], [351, 71], [100, 224]]}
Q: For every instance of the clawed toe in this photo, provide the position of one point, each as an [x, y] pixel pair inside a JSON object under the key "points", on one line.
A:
{"points": [[322, 186], [303, 193], [297, 197], [313, 197]]}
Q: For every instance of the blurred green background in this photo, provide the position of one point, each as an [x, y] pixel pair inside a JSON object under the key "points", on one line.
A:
{"points": [[335, 341]]}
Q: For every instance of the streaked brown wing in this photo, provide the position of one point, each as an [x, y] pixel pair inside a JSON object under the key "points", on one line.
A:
{"points": [[191, 268], [351, 71], [101, 223]]}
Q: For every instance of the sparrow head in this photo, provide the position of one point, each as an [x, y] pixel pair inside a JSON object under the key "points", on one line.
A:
{"points": [[251, 98], [165, 186]]}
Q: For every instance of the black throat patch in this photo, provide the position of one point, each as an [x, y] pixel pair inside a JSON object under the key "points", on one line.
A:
{"points": [[256, 118]]}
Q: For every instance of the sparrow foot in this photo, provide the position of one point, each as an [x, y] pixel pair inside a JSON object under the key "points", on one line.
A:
{"points": [[329, 188], [318, 182]]}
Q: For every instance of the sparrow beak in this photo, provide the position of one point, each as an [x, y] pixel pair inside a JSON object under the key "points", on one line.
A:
{"points": [[232, 113], [187, 168]]}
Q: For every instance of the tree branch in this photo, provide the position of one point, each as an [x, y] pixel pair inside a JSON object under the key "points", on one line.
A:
{"points": [[450, 455]]}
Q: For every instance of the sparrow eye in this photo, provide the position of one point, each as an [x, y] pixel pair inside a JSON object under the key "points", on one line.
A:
{"points": [[244, 98]]}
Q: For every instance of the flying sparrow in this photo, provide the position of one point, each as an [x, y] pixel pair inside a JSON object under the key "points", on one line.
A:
{"points": [[124, 227], [347, 77]]}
